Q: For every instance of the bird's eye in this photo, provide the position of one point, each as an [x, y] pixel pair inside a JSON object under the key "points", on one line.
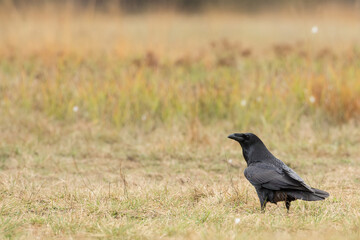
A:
{"points": [[246, 137]]}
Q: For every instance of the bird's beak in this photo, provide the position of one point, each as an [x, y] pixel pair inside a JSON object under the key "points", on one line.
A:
{"points": [[236, 136]]}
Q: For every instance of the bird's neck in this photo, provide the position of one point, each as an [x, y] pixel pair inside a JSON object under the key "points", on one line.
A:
{"points": [[257, 152]]}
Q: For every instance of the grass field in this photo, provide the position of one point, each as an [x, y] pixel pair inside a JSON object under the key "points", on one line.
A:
{"points": [[114, 126]]}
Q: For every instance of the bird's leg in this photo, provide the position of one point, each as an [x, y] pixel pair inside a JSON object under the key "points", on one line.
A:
{"points": [[287, 204], [263, 204], [262, 197]]}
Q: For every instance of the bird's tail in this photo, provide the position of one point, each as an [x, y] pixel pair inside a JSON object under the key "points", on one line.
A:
{"points": [[317, 195], [320, 193]]}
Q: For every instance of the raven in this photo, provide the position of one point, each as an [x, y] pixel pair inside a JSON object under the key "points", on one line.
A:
{"points": [[273, 180]]}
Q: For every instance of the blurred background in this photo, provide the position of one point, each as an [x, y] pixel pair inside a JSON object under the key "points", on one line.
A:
{"points": [[195, 6], [120, 62]]}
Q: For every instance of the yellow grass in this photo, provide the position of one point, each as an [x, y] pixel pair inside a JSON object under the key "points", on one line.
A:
{"points": [[114, 126]]}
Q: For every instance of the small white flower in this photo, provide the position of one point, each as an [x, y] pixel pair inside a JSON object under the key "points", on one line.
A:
{"points": [[144, 117], [243, 102], [75, 108], [237, 220], [314, 29], [230, 161], [312, 99]]}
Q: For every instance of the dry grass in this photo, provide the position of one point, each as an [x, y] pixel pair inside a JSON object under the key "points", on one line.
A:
{"points": [[145, 155], [82, 181]]}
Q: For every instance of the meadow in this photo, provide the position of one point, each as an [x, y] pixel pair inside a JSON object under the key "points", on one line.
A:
{"points": [[114, 126]]}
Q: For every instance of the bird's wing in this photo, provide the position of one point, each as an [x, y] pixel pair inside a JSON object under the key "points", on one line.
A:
{"points": [[273, 178], [291, 173]]}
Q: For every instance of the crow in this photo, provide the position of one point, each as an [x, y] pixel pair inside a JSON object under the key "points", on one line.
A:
{"points": [[273, 180]]}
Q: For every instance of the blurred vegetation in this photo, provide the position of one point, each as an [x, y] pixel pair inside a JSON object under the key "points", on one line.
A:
{"points": [[82, 67], [232, 86]]}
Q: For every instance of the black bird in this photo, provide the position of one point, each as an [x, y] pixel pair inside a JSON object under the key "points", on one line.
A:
{"points": [[273, 180]]}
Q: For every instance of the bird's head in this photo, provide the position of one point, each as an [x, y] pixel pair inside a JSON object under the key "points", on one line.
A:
{"points": [[251, 145], [245, 139]]}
